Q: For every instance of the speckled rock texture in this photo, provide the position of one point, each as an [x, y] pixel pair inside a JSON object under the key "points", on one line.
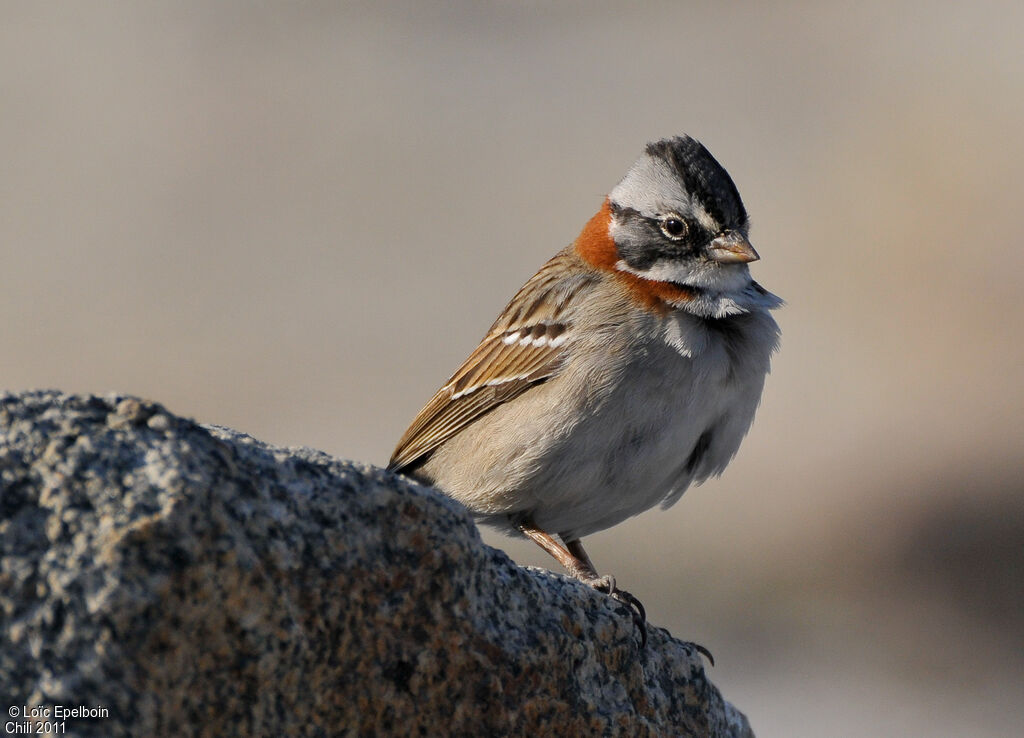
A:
{"points": [[190, 580]]}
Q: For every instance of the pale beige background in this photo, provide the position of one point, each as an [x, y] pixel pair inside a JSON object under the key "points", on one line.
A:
{"points": [[296, 219]]}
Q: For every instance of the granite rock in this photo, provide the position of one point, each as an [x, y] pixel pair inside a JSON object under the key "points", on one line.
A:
{"points": [[180, 579]]}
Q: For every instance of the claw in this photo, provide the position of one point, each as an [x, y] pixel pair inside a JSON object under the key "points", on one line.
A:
{"points": [[703, 651], [606, 584], [639, 614]]}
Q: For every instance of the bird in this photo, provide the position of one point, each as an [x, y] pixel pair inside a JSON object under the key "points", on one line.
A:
{"points": [[627, 369]]}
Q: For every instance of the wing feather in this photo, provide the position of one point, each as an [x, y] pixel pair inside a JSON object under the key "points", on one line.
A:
{"points": [[528, 344]]}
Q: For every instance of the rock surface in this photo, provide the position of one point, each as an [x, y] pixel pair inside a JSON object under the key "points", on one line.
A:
{"points": [[179, 579]]}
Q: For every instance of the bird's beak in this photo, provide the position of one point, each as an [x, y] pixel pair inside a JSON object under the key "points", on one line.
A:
{"points": [[731, 248]]}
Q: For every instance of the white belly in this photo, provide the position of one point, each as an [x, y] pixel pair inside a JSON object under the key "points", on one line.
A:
{"points": [[678, 419], [612, 437]]}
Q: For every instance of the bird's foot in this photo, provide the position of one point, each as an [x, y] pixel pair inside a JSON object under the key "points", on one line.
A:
{"points": [[606, 584]]}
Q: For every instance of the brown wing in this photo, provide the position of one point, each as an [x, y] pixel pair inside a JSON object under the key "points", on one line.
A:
{"points": [[528, 344]]}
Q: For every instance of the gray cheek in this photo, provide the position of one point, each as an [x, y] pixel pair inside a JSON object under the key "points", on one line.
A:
{"points": [[640, 245]]}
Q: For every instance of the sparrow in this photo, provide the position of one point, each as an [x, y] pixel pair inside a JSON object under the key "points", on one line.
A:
{"points": [[628, 368]]}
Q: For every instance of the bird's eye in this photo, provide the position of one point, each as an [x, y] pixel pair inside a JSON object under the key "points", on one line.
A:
{"points": [[673, 226]]}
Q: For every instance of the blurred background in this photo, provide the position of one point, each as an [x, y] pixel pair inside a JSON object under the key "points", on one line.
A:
{"points": [[296, 219]]}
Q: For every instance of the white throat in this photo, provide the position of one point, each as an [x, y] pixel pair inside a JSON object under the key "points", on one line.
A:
{"points": [[706, 276], [721, 290]]}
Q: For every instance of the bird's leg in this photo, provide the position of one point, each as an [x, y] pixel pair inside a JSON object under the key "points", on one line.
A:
{"points": [[576, 549], [606, 584], [580, 567]]}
